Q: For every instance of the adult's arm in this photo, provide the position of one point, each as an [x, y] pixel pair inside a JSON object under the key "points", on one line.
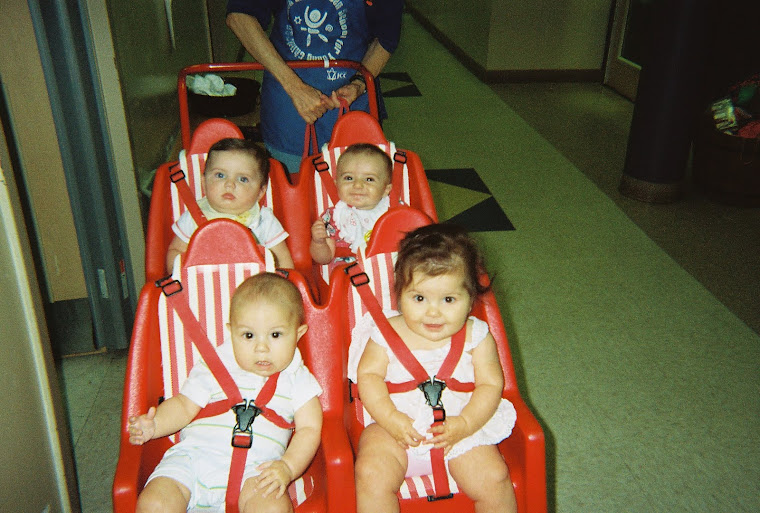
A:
{"points": [[308, 101], [384, 19]]}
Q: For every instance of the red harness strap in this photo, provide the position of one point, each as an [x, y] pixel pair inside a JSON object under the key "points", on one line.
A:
{"points": [[188, 198], [328, 181], [242, 436], [397, 177], [431, 387]]}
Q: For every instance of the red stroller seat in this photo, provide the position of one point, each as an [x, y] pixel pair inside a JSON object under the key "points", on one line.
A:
{"points": [[167, 203], [221, 254], [523, 450], [409, 183]]}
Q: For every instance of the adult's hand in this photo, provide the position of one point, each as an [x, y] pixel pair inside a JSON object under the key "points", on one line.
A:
{"points": [[310, 103], [349, 92]]}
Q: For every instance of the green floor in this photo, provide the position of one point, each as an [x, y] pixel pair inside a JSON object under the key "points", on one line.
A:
{"points": [[647, 385]]}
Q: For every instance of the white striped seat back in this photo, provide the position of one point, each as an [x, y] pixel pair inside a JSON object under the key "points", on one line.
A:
{"points": [[379, 258], [322, 200], [209, 289], [379, 269], [193, 165]]}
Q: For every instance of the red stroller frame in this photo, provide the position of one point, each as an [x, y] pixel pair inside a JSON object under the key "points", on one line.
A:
{"points": [[523, 450], [184, 114]]}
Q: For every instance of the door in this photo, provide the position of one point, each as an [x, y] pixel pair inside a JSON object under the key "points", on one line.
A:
{"points": [[629, 28], [66, 52]]}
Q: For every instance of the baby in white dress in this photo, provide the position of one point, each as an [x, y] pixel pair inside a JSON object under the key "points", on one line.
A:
{"points": [[436, 283]]}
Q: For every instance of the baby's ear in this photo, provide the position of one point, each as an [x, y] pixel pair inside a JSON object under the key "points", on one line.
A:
{"points": [[262, 191], [302, 331]]}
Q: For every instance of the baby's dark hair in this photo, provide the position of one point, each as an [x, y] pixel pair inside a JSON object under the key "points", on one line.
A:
{"points": [[370, 150], [246, 147], [439, 249], [272, 288]]}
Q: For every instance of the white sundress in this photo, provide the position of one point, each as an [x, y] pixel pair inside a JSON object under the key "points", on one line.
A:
{"points": [[412, 403]]}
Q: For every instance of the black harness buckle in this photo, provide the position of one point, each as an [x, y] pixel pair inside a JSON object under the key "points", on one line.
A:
{"points": [[169, 286], [242, 433], [319, 164], [433, 389], [177, 175], [358, 278], [432, 498]]}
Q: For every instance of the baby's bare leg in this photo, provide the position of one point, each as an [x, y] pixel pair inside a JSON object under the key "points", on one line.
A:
{"points": [[380, 469], [163, 494], [482, 474], [251, 501]]}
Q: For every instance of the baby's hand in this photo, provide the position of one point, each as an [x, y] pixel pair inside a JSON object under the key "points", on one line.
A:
{"points": [[318, 231], [446, 435], [142, 428], [274, 478], [399, 425]]}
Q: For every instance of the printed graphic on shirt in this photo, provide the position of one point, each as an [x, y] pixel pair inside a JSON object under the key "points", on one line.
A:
{"points": [[316, 33]]}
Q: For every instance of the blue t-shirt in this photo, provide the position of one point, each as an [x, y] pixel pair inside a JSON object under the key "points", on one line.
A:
{"points": [[317, 30]]}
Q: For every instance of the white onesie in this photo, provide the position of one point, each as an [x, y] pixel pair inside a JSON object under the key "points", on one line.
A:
{"points": [[412, 403]]}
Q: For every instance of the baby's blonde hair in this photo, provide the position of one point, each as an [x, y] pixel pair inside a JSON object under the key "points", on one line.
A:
{"points": [[271, 288]]}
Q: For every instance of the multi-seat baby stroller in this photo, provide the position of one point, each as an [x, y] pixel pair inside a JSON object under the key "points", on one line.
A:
{"points": [[195, 298]]}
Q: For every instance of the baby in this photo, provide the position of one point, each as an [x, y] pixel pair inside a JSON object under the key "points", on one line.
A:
{"points": [[235, 179], [266, 322], [363, 179], [436, 283]]}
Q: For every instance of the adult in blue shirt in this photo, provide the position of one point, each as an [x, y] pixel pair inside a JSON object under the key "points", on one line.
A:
{"points": [[358, 30]]}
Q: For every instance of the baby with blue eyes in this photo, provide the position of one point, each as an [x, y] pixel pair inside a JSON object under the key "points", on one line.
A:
{"points": [[234, 181]]}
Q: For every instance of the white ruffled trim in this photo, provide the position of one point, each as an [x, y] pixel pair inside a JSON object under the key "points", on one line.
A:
{"points": [[354, 224], [498, 427], [360, 335]]}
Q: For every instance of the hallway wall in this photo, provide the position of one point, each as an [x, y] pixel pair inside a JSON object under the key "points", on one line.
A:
{"points": [[32, 126], [152, 42], [524, 38]]}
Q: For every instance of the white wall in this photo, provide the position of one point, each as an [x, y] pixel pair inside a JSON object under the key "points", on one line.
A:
{"points": [[523, 35], [548, 34]]}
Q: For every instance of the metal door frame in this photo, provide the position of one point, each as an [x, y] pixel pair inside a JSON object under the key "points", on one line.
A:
{"points": [[66, 51], [621, 74]]}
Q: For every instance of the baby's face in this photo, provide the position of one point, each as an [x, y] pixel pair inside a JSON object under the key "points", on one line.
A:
{"points": [[232, 182], [362, 181], [264, 337], [436, 307]]}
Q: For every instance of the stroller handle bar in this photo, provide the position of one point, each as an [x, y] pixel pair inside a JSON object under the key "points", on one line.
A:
{"points": [[184, 113]]}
